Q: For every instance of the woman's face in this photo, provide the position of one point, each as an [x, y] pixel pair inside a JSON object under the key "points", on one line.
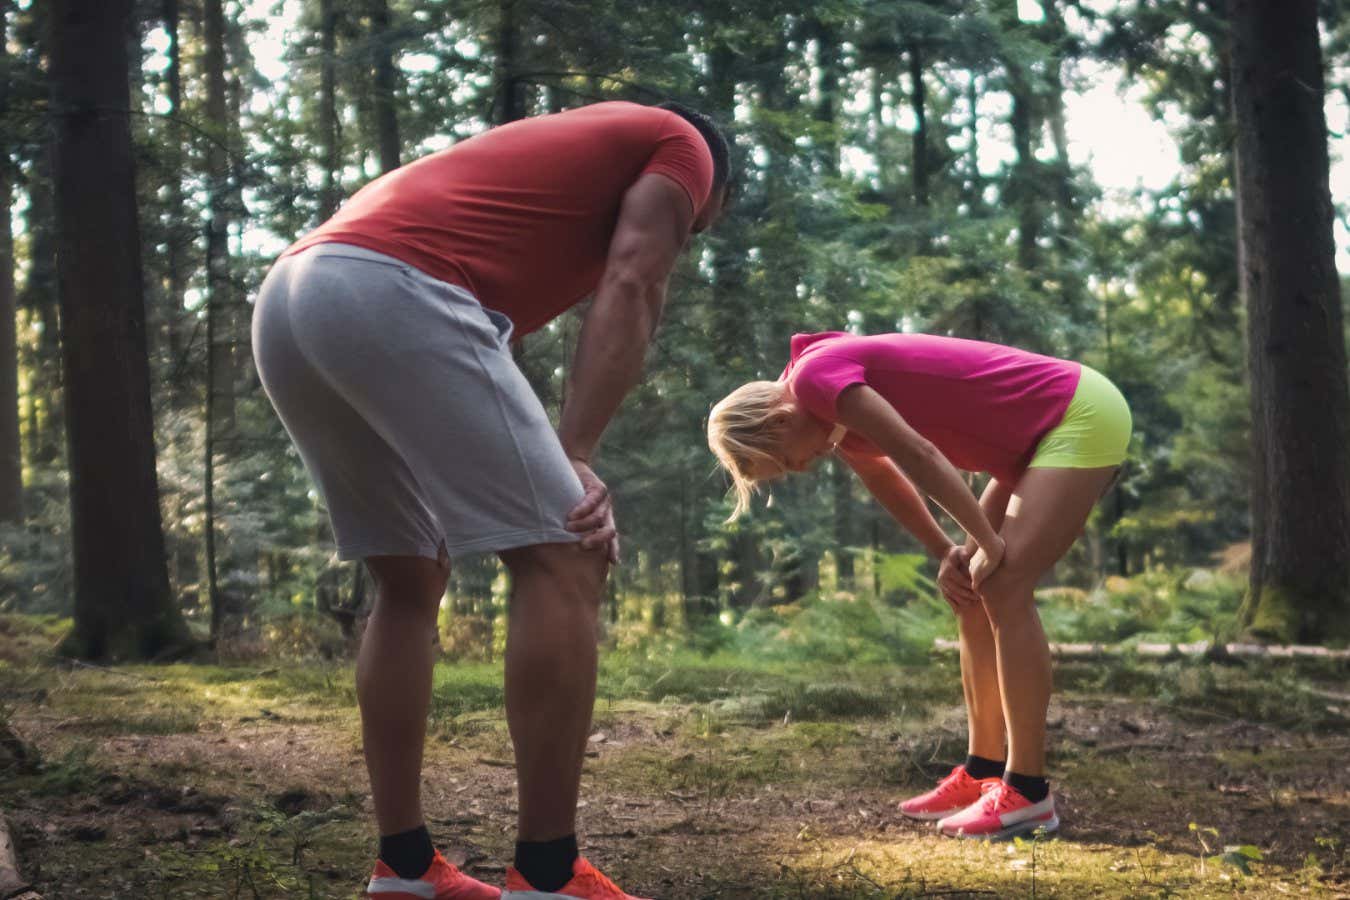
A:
{"points": [[805, 438]]}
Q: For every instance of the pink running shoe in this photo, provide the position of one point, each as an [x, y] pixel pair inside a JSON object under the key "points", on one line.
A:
{"points": [[442, 881], [1001, 813], [587, 883], [952, 794]]}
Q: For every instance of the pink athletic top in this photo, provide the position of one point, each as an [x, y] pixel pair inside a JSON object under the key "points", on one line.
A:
{"points": [[985, 406]]}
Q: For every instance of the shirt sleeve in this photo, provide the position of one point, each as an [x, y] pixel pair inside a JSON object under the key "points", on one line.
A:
{"points": [[682, 155], [819, 380]]}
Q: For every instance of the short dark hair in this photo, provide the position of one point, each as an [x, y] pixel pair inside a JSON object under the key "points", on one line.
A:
{"points": [[717, 142]]}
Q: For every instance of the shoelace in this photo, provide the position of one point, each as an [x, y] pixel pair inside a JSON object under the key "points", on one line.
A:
{"points": [[593, 877], [997, 796], [948, 784]]}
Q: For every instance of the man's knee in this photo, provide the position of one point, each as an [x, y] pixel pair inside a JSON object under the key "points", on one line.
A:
{"points": [[562, 569], [412, 580]]}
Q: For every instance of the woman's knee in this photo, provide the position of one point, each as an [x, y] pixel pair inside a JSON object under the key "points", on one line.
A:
{"points": [[1008, 596]]}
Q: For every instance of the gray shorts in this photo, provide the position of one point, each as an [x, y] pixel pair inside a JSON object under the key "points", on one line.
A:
{"points": [[401, 395]]}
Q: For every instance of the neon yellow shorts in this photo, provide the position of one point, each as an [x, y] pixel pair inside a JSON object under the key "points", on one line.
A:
{"points": [[1095, 431]]}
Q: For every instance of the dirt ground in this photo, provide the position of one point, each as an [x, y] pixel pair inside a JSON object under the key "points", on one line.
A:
{"points": [[247, 781]]}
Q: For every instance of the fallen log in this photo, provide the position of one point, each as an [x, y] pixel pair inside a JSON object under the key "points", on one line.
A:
{"points": [[1198, 648], [12, 885]]}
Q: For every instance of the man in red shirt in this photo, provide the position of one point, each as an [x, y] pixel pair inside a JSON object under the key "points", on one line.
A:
{"points": [[382, 340]]}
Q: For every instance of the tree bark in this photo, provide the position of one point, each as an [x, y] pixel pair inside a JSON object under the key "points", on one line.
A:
{"points": [[123, 606], [218, 219], [11, 453], [330, 195], [219, 375], [510, 93], [1023, 187], [1300, 398], [45, 397], [918, 104], [386, 82], [975, 188], [827, 111], [177, 237]]}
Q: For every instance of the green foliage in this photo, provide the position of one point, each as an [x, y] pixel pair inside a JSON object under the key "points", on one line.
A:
{"points": [[836, 225], [1238, 856], [72, 773], [463, 688], [1156, 606]]}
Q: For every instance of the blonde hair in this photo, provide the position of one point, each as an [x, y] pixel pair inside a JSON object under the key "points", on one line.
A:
{"points": [[744, 440]]}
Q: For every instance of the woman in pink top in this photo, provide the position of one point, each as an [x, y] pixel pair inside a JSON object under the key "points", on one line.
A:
{"points": [[906, 412]]}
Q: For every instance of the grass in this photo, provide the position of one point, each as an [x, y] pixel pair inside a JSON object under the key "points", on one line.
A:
{"points": [[717, 776]]}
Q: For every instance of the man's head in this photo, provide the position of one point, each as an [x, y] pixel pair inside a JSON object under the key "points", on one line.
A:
{"points": [[721, 156]]}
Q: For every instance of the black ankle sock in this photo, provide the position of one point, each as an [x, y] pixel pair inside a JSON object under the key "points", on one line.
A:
{"points": [[1034, 787], [980, 767], [547, 865], [408, 853]]}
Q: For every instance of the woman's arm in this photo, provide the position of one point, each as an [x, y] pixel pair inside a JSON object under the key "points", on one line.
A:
{"points": [[897, 496], [994, 502], [863, 410]]}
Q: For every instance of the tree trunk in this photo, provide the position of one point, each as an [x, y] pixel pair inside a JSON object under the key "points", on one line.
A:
{"points": [[1300, 398], [975, 188], [1023, 184], [386, 81], [218, 220], [510, 93], [177, 237], [918, 105], [330, 195], [844, 511], [123, 606], [827, 87], [45, 396], [11, 453], [827, 111], [219, 374]]}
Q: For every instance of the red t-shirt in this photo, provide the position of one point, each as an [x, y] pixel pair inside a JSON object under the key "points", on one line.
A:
{"points": [[522, 215], [985, 406]]}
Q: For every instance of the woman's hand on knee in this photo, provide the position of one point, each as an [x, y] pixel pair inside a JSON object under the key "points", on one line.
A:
{"points": [[986, 561], [954, 579]]}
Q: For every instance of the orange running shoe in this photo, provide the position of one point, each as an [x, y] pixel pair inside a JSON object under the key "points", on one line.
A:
{"points": [[442, 881], [587, 882], [1001, 813], [952, 794]]}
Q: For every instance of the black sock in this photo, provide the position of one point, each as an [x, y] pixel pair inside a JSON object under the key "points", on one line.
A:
{"points": [[408, 853], [547, 865], [979, 767], [1034, 787]]}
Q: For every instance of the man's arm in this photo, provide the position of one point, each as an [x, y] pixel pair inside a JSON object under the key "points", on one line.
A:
{"points": [[653, 228]]}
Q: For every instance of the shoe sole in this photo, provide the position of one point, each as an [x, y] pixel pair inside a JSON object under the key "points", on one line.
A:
{"points": [[1049, 826]]}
